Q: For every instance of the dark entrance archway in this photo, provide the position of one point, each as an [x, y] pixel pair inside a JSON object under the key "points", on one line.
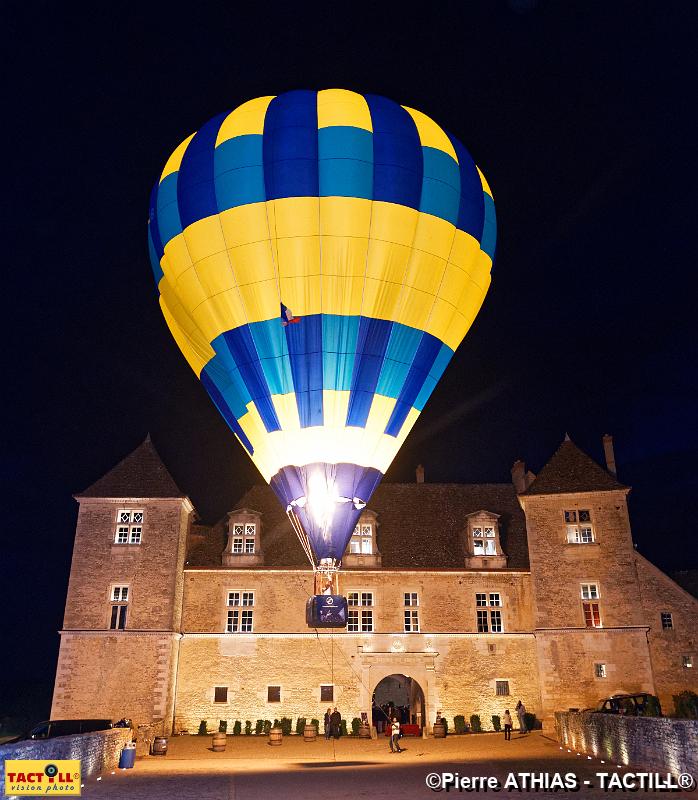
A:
{"points": [[401, 695]]}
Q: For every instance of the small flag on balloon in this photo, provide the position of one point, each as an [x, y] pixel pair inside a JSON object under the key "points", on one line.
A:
{"points": [[287, 317]]}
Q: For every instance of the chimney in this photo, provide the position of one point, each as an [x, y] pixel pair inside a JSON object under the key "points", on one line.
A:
{"points": [[420, 473], [610, 455], [518, 476]]}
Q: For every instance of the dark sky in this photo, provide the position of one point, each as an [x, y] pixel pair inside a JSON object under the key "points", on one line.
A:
{"points": [[581, 114]]}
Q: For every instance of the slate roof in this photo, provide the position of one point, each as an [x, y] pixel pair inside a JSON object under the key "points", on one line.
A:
{"points": [[140, 474], [420, 526], [570, 470]]}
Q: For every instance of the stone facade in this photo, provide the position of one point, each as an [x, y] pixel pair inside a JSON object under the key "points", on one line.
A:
{"points": [[564, 614]]}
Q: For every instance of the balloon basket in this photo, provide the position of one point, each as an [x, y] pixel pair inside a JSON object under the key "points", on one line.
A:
{"points": [[326, 611]]}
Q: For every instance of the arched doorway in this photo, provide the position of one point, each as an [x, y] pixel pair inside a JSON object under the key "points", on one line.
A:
{"points": [[402, 696]]}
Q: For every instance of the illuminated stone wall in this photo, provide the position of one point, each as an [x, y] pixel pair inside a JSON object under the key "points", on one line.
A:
{"points": [[668, 647], [655, 744], [456, 667], [568, 651], [98, 752], [112, 674]]}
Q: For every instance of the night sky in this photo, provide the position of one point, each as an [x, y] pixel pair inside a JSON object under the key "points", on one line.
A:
{"points": [[582, 116]]}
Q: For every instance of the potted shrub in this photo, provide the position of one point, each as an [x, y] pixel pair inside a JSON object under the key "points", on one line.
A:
{"points": [[355, 725], [222, 726], [248, 728], [475, 724], [459, 723], [203, 728], [237, 728], [300, 725], [496, 722]]}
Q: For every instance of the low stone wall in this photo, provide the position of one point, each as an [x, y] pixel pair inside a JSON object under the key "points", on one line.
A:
{"points": [[656, 744], [145, 735], [98, 752]]}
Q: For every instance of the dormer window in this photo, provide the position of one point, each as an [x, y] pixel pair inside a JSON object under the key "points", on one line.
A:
{"points": [[362, 539], [578, 526], [244, 537], [482, 544], [484, 540], [362, 549]]}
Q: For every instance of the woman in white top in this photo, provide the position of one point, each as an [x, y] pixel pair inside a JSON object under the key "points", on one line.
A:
{"points": [[508, 724]]}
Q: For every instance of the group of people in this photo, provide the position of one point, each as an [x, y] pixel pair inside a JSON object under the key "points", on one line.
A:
{"points": [[508, 722], [394, 715], [333, 723], [382, 716]]}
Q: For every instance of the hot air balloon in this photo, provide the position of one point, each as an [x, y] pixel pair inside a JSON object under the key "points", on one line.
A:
{"points": [[319, 257]]}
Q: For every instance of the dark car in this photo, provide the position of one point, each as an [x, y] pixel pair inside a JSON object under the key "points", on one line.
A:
{"points": [[63, 727], [632, 705]]}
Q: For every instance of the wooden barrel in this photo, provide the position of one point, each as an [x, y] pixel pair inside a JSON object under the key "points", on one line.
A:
{"points": [[309, 733], [276, 736], [439, 730], [364, 732], [160, 746], [219, 742]]}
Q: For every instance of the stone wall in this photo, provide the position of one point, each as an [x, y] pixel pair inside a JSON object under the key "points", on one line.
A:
{"points": [[131, 673], [457, 674], [567, 659], [655, 744], [446, 599], [151, 569], [145, 734], [98, 752], [659, 593], [558, 568], [114, 674]]}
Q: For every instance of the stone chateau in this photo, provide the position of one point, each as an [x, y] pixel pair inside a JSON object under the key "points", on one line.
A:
{"points": [[462, 599]]}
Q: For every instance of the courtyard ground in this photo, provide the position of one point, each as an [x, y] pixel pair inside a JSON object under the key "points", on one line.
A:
{"points": [[250, 769]]}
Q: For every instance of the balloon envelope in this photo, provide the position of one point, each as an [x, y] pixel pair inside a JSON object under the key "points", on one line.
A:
{"points": [[319, 257]]}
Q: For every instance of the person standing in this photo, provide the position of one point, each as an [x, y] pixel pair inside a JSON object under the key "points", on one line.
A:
{"points": [[508, 724], [521, 714], [336, 723], [395, 737], [328, 723]]}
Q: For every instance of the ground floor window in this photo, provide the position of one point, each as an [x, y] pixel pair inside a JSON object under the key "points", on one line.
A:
{"points": [[220, 694], [501, 688], [327, 693], [273, 694]]}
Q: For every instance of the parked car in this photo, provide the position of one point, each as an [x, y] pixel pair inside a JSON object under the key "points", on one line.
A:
{"points": [[50, 729], [633, 705]]}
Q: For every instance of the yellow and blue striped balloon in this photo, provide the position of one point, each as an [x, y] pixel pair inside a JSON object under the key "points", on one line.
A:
{"points": [[319, 257]]}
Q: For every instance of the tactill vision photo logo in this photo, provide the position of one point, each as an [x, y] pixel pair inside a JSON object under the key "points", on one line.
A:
{"points": [[49, 777]]}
